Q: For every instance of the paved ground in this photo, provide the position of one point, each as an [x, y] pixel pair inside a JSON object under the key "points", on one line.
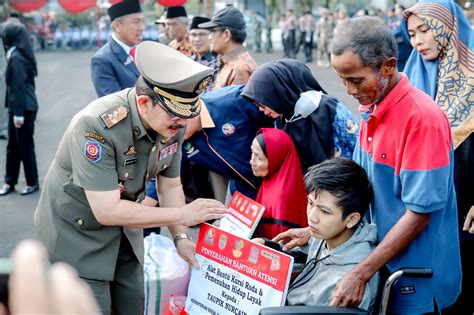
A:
{"points": [[63, 88]]}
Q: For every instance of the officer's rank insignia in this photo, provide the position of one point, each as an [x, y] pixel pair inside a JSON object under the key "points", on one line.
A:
{"points": [[94, 136], [93, 150], [131, 151], [228, 129], [110, 119], [167, 151]]}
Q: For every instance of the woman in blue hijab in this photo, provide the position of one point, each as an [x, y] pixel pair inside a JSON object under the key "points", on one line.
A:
{"points": [[442, 65]]}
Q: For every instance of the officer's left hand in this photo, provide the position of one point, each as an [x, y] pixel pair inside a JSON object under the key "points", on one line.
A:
{"points": [[186, 249]]}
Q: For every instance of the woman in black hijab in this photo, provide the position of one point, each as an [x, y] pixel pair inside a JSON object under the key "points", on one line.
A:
{"points": [[22, 108], [319, 125]]}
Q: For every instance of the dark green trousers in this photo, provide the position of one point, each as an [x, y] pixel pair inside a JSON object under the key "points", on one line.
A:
{"points": [[125, 294]]}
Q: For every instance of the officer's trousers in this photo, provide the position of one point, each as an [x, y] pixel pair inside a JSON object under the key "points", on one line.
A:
{"points": [[125, 294]]}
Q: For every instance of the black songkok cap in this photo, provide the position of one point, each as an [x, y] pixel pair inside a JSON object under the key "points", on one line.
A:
{"points": [[198, 20], [124, 7], [174, 12]]}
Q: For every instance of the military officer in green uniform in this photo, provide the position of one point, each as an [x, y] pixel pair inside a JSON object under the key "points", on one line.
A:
{"points": [[89, 214]]}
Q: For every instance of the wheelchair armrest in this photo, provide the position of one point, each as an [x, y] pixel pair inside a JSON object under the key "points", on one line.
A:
{"points": [[407, 272], [311, 310]]}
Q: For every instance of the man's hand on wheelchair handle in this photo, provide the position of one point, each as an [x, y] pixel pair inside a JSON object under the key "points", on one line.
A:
{"points": [[293, 238], [349, 291]]}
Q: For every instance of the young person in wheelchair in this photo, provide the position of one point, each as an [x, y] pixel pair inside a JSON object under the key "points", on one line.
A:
{"points": [[339, 194]]}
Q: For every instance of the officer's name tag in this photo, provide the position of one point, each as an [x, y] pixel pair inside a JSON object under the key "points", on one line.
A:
{"points": [[167, 151], [130, 161]]}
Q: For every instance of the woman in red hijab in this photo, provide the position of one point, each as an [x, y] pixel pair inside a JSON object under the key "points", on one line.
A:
{"points": [[283, 191]]}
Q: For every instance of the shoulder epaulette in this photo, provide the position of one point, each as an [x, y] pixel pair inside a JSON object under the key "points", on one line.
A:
{"points": [[114, 116]]}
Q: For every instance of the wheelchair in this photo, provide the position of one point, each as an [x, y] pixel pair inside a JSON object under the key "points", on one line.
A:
{"points": [[382, 299]]}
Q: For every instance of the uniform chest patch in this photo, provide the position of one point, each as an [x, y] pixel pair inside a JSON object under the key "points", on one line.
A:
{"points": [[228, 129], [167, 151], [93, 150]]}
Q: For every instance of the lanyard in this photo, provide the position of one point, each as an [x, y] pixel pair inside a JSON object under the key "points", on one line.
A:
{"points": [[311, 266], [228, 164]]}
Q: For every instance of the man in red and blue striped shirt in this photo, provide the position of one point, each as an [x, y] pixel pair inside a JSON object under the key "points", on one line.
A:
{"points": [[405, 146]]}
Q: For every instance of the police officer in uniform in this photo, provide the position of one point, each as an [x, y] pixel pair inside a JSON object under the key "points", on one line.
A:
{"points": [[89, 214]]}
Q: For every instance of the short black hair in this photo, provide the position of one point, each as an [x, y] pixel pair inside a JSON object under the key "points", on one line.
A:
{"points": [[238, 35], [344, 179], [142, 88]]}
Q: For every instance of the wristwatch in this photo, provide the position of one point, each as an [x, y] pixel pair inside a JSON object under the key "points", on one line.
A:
{"points": [[179, 237]]}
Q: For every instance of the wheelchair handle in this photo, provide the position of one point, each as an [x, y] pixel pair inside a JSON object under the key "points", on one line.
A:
{"points": [[416, 273], [408, 272]]}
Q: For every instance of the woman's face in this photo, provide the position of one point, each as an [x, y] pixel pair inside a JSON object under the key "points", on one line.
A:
{"points": [[422, 38], [258, 161], [267, 111]]}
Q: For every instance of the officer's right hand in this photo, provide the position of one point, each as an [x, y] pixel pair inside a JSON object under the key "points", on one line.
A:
{"points": [[201, 210]]}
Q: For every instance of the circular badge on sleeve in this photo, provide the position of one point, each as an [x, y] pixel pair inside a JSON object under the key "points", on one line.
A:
{"points": [[93, 150]]}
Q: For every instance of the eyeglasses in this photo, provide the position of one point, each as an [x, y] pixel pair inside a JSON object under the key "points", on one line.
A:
{"points": [[159, 103]]}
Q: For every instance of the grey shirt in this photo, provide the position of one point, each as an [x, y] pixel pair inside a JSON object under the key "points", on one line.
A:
{"points": [[332, 266]]}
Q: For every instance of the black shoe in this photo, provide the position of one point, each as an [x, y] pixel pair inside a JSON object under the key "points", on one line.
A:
{"points": [[6, 189], [29, 190]]}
